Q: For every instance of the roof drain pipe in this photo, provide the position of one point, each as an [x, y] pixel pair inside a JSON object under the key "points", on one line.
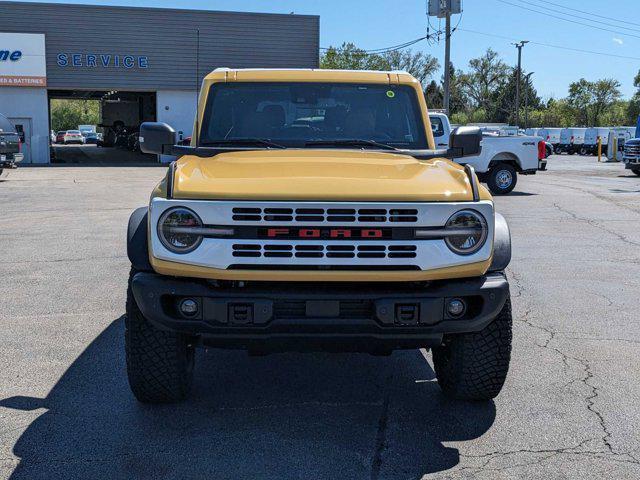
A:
{"points": [[473, 182]]}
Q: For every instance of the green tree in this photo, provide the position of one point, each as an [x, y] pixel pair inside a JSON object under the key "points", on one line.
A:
{"points": [[350, 57], [591, 100], [68, 114], [503, 104], [419, 64], [486, 75], [556, 113], [434, 95], [633, 107]]}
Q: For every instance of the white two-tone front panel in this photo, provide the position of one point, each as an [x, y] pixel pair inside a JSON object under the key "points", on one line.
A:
{"points": [[360, 253]]}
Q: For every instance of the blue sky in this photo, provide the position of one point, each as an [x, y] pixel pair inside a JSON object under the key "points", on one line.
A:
{"points": [[377, 23]]}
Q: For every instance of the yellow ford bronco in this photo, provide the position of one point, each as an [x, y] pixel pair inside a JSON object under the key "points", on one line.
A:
{"points": [[312, 212]]}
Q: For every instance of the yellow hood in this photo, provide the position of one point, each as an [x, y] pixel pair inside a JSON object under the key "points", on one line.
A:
{"points": [[331, 175]]}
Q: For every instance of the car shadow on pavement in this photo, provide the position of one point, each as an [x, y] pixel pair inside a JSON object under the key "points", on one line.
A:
{"points": [[280, 416], [517, 193]]}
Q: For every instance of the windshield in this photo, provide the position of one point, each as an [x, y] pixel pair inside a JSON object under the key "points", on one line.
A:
{"points": [[314, 114]]}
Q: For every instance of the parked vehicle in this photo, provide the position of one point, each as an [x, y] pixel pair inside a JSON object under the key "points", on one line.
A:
{"points": [[52, 137], [60, 136], [85, 129], [73, 136], [571, 140], [502, 157], [536, 132], [10, 145], [354, 235], [591, 137], [551, 136], [623, 134], [91, 138], [631, 155]]}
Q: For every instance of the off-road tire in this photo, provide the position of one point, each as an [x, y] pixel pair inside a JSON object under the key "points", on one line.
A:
{"points": [[159, 363], [474, 366], [493, 178]]}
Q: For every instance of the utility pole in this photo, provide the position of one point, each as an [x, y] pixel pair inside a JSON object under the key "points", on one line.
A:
{"points": [[444, 9], [519, 46], [447, 59]]}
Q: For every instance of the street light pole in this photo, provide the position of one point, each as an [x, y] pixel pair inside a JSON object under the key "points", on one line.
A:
{"points": [[526, 99], [519, 46]]}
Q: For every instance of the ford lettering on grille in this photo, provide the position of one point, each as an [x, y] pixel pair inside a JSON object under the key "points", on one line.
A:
{"points": [[325, 233]]}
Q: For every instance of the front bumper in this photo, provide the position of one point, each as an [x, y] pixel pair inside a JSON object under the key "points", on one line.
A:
{"points": [[633, 164], [7, 161], [295, 316]]}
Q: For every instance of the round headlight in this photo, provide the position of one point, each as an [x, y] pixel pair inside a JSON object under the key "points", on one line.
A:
{"points": [[466, 232], [179, 230]]}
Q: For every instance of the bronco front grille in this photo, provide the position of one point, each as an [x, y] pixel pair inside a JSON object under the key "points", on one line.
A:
{"points": [[632, 150], [280, 250], [331, 215]]}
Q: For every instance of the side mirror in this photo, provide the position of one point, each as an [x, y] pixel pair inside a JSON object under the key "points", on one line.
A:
{"points": [[465, 142], [157, 137]]}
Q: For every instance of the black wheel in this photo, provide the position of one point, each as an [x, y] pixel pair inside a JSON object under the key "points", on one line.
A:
{"points": [[557, 150], [159, 363], [571, 151], [635, 170], [502, 178], [583, 151], [474, 366], [549, 151]]}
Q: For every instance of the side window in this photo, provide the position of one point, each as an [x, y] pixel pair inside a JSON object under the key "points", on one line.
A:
{"points": [[436, 126]]}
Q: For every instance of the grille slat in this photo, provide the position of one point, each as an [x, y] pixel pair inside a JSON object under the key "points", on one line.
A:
{"points": [[329, 215], [284, 250]]}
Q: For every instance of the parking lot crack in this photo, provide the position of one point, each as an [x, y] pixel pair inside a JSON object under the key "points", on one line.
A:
{"points": [[595, 224], [381, 434]]}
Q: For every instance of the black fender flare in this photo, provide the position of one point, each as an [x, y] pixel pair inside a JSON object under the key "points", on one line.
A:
{"points": [[137, 241], [501, 245]]}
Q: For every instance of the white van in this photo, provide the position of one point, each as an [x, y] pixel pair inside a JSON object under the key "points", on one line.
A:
{"points": [[571, 139], [550, 135], [591, 137]]}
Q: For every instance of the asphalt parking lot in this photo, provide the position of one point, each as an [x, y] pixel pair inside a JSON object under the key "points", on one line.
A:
{"points": [[569, 408]]}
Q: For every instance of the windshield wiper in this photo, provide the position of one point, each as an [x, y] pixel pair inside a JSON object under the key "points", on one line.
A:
{"points": [[243, 141], [352, 142]]}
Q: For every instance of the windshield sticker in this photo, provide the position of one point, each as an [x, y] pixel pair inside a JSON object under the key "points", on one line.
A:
{"points": [[391, 93]]}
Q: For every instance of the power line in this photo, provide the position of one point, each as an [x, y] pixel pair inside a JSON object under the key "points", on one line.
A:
{"points": [[567, 20], [383, 49], [550, 45], [588, 13], [527, 2]]}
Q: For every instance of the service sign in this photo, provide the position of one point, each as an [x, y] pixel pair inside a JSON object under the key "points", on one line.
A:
{"points": [[22, 60]]}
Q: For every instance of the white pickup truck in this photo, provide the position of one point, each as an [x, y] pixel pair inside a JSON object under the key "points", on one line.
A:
{"points": [[502, 157]]}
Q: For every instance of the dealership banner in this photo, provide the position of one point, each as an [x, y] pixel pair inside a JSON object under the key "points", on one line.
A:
{"points": [[22, 60]]}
